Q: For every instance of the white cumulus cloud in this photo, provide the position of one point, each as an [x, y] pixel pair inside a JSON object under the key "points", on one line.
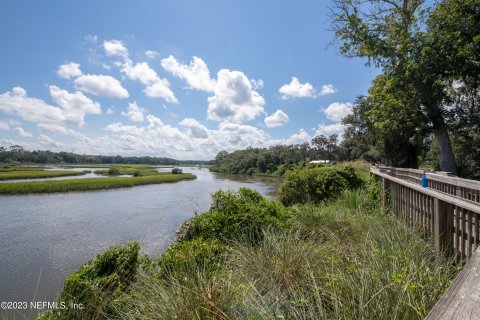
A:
{"points": [[69, 70], [161, 89], [101, 85], [327, 89], [140, 72], [297, 138], [194, 128], [135, 113], [277, 119], [155, 86], [329, 129], [257, 84], [231, 136], [234, 99], [295, 89], [338, 110], [115, 48], [74, 105], [196, 74], [18, 103]]}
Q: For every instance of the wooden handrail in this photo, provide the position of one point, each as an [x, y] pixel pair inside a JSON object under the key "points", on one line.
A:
{"points": [[443, 211], [440, 181], [469, 205]]}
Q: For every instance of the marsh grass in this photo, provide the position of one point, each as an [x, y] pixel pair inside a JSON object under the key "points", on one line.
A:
{"points": [[347, 259], [135, 170], [89, 184], [107, 165], [37, 174]]}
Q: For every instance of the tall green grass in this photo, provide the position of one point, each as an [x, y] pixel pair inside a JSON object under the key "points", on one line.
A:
{"points": [[89, 184], [347, 259], [36, 174], [129, 170]]}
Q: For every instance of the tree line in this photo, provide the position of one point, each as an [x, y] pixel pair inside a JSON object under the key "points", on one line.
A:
{"points": [[17, 153], [422, 109], [425, 103], [278, 159]]}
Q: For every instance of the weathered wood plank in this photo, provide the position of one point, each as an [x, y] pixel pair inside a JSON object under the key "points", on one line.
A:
{"points": [[461, 301]]}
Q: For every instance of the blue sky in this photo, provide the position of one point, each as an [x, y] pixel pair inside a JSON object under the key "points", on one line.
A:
{"points": [[182, 79]]}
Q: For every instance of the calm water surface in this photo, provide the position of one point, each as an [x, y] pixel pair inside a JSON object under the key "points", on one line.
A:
{"points": [[45, 237]]}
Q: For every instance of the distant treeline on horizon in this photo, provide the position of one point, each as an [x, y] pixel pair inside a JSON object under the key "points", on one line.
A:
{"points": [[17, 153]]}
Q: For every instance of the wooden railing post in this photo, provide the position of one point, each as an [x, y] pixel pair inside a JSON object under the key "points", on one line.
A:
{"points": [[384, 191], [442, 217]]}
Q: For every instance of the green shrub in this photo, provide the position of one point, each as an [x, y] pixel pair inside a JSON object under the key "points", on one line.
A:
{"points": [[185, 257], [114, 171], [237, 216], [317, 184], [177, 171], [98, 283]]}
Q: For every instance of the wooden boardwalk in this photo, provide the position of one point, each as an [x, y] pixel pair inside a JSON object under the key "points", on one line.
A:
{"points": [[462, 299], [449, 210]]}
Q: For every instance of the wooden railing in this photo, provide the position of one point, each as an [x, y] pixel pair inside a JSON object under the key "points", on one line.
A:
{"points": [[441, 181], [448, 209]]}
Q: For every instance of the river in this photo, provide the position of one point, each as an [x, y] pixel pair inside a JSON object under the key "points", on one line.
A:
{"points": [[44, 237]]}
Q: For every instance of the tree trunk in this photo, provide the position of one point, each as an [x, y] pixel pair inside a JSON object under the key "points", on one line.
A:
{"points": [[447, 159]]}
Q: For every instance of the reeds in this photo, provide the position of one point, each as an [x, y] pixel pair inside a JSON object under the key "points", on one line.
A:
{"points": [[89, 183]]}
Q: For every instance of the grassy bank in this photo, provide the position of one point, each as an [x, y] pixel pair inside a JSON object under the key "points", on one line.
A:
{"points": [[130, 170], [13, 172], [248, 257], [88, 184], [36, 174]]}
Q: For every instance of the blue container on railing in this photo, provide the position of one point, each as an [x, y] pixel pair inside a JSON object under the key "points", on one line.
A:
{"points": [[424, 181]]}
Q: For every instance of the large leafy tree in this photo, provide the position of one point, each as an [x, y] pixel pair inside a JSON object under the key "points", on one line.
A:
{"points": [[393, 35]]}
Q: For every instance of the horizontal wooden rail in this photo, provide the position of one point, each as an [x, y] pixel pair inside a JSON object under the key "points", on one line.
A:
{"points": [[452, 221], [441, 181]]}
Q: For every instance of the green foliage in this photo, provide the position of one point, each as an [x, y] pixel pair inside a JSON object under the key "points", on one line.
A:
{"points": [[16, 172], [276, 160], [238, 215], [18, 154], [185, 257], [344, 259], [113, 171], [316, 184], [430, 75], [89, 183], [98, 283], [363, 266], [134, 170], [177, 171]]}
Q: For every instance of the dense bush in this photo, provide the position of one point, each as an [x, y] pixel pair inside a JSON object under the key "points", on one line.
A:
{"points": [[236, 216], [113, 171], [98, 283], [316, 184], [177, 171], [188, 256]]}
